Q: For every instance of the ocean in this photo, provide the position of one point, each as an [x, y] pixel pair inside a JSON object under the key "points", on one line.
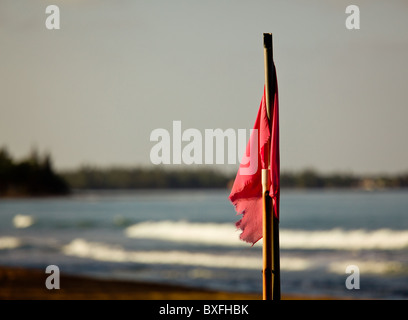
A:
{"points": [[189, 238]]}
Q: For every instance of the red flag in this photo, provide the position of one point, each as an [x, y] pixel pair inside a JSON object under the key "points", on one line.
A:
{"points": [[246, 193]]}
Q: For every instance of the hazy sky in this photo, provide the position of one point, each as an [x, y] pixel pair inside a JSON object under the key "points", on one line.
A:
{"points": [[93, 91]]}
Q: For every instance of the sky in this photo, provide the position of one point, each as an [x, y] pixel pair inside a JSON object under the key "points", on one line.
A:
{"points": [[91, 92]]}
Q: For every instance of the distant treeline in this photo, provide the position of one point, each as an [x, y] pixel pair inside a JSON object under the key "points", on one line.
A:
{"points": [[144, 178], [156, 177], [32, 176], [310, 178]]}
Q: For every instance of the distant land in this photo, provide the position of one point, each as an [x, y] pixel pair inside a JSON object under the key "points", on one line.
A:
{"points": [[88, 177], [34, 176]]}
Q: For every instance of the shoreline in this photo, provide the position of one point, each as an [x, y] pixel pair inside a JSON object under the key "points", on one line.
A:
{"points": [[18, 283]]}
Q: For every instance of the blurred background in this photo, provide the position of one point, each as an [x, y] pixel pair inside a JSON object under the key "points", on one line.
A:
{"points": [[78, 104]]}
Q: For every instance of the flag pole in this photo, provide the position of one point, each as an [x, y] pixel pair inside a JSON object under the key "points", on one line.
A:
{"points": [[271, 264]]}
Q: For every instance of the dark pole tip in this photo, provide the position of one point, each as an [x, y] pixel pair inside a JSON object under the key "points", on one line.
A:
{"points": [[267, 37]]}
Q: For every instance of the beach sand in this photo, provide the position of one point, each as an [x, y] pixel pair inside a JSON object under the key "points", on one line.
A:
{"points": [[29, 284]]}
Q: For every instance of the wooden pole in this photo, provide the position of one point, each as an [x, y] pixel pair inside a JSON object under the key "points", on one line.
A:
{"points": [[270, 252]]}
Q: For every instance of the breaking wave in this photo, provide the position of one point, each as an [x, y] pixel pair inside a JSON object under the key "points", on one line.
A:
{"points": [[9, 243], [21, 221], [109, 253], [104, 252], [339, 239], [187, 232], [226, 234]]}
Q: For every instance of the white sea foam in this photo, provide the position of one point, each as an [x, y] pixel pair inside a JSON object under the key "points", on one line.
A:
{"points": [[9, 242], [109, 253], [226, 235], [187, 232], [338, 239], [21, 221], [103, 252]]}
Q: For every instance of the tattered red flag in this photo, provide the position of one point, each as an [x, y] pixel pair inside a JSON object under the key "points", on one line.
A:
{"points": [[246, 193]]}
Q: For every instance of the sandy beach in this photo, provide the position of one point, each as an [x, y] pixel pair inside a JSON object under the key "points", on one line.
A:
{"points": [[29, 284]]}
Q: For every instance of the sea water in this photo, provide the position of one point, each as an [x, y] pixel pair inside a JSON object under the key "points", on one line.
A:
{"points": [[189, 237]]}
